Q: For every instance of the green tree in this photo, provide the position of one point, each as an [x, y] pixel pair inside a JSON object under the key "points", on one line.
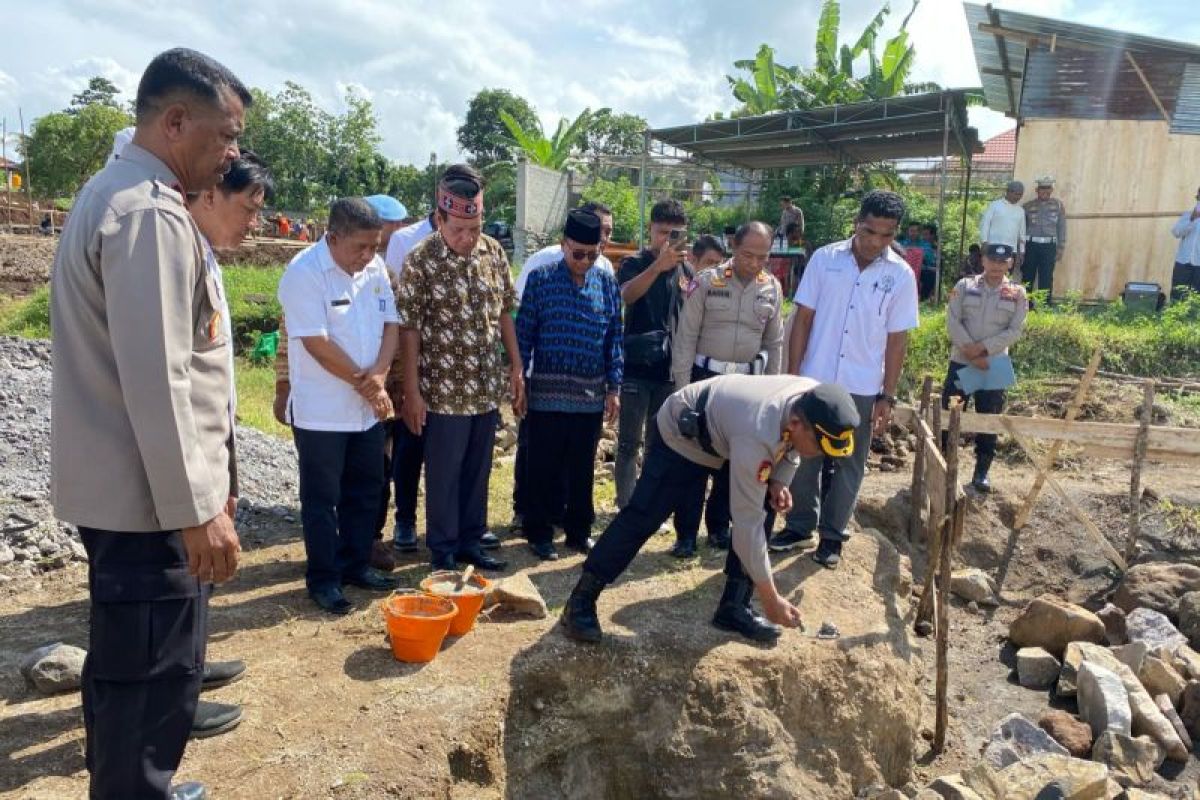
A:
{"points": [[99, 90], [555, 152], [65, 149], [483, 135], [622, 197], [353, 163], [610, 133], [292, 134]]}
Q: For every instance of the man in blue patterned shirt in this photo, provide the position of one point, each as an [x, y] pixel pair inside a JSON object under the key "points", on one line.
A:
{"points": [[569, 329]]}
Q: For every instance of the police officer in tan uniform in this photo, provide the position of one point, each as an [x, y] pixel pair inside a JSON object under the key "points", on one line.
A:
{"points": [[730, 324], [1046, 227], [985, 315]]}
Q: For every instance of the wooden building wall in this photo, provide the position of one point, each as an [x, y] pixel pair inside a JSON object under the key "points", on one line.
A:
{"points": [[1124, 183]]}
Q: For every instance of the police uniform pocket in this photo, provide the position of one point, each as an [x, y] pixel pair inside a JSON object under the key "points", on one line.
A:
{"points": [[1007, 307], [146, 625], [764, 308], [717, 302]]}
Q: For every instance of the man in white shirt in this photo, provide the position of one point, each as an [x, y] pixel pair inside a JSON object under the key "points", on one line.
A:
{"points": [[1186, 274], [405, 240], [854, 308], [552, 255], [1003, 221], [344, 332]]}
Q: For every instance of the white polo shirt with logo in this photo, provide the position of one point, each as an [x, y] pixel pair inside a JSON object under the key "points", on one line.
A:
{"points": [[855, 310], [404, 240], [319, 298]]}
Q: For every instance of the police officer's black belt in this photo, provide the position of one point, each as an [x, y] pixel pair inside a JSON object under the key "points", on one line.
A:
{"points": [[693, 423]]}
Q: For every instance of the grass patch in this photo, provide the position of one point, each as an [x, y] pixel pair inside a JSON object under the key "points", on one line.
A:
{"points": [[27, 316], [256, 395]]}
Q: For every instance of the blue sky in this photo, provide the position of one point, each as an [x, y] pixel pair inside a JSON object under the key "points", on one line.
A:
{"points": [[420, 63]]}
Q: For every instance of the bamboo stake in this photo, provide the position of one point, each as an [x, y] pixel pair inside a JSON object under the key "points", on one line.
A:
{"points": [[917, 495], [1047, 463], [1135, 478], [28, 174], [945, 559]]}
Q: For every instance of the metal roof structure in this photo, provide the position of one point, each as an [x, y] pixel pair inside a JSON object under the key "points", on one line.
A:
{"points": [[1033, 66], [911, 126]]}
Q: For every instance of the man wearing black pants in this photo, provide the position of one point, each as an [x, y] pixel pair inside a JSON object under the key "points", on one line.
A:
{"points": [[142, 444], [761, 426]]}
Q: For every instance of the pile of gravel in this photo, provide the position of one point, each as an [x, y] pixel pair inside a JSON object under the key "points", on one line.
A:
{"points": [[31, 539]]}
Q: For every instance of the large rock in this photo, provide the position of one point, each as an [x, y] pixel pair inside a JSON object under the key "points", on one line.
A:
{"points": [[517, 594], [1189, 617], [1141, 794], [1067, 730], [1158, 586], [1187, 662], [1159, 677], [1015, 739], [1114, 623], [1189, 709], [1051, 623], [1129, 656], [1036, 668], [1136, 759], [1154, 630], [1042, 778], [1103, 701], [54, 668], [1148, 720], [953, 787], [973, 584]]}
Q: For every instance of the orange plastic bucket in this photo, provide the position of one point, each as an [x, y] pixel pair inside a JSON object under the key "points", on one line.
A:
{"points": [[417, 624], [469, 600]]}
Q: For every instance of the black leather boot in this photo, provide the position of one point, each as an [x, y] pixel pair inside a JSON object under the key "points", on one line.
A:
{"points": [[734, 613], [579, 618], [980, 479]]}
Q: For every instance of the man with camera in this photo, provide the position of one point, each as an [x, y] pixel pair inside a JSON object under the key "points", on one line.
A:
{"points": [[730, 324], [652, 285]]}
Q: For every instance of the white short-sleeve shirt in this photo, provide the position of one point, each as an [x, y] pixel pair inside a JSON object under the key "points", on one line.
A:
{"points": [[402, 242], [855, 310], [319, 298], [550, 255]]}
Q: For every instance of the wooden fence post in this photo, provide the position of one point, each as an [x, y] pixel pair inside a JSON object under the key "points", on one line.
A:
{"points": [[1135, 478], [950, 528], [917, 494]]}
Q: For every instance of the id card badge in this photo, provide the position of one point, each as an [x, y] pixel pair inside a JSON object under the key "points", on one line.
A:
{"points": [[382, 306]]}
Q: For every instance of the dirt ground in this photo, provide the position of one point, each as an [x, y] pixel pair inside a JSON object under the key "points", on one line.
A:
{"points": [[329, 713]]}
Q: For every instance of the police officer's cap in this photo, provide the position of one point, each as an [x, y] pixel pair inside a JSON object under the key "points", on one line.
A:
{"points": [[1045, 181], [388, 208], [831, 412], [582, 226], [999, 252]]}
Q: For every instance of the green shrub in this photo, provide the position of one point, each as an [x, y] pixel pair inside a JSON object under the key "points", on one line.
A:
{"points": [[252, 302], [29, 317]]}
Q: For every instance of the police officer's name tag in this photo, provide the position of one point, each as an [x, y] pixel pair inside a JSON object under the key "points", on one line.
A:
{"points": [[382, 306]]}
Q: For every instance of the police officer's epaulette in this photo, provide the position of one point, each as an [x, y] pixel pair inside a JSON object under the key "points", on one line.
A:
{"points": [[720, 276]]}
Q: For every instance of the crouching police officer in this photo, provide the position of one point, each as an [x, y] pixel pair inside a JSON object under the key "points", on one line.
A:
{"points": [[762, 426], [985, 315]]}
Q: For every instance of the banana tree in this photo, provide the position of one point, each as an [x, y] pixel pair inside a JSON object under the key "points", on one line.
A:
{"points": [[554, 152]]}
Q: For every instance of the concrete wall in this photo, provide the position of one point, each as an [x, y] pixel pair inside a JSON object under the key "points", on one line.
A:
{"points": [[543, 197]]}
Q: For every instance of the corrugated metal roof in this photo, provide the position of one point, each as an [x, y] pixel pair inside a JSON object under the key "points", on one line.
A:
{"points": [[1002, 60], [1187, 107], [911, 126]]}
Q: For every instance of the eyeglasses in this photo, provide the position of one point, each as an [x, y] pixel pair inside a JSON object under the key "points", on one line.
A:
{"points": [[580, 255]]}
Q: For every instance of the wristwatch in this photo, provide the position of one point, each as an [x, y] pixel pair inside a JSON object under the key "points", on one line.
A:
{"points": [[890, 398]]}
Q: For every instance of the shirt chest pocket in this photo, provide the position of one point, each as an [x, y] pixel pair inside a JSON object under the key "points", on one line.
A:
{"points": [[973, 303], [764, 309], [341, 316], [1005, 309], [720, 302]]}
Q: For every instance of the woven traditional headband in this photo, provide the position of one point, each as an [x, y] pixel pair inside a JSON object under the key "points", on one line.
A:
{"points": [[457, 206]]}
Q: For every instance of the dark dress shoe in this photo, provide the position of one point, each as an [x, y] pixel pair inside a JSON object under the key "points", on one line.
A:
{"points": [[372, 581], [734, 613], [580, 544], [719, 540], [188, 791], [221, 673], [481, 560], [404, 537], [489, 541], [828, 554], [579, 619], [443, 562], [544, 550], [213, 719], [684, 548], [332, 600]]}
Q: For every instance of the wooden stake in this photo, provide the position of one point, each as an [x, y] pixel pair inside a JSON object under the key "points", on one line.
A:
{"points": [[1135, 478], [7, 175], [1047, 463], [945, 562], [1071, 505], [1150, 89], [917, 495], [938, 538], [28, 175]]}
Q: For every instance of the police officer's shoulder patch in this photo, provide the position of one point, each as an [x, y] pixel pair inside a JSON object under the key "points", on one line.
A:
{"points": [[764, 471], [688, 286]]}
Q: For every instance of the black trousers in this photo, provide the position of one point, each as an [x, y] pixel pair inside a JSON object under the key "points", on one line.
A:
{"points": [[716, 509], [1184, 276], [385, 496], [341, 479], [668, 481], [560, 473], [408, 453], [141, 678], [1037, 270], [987, 401], [458, 463]]}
